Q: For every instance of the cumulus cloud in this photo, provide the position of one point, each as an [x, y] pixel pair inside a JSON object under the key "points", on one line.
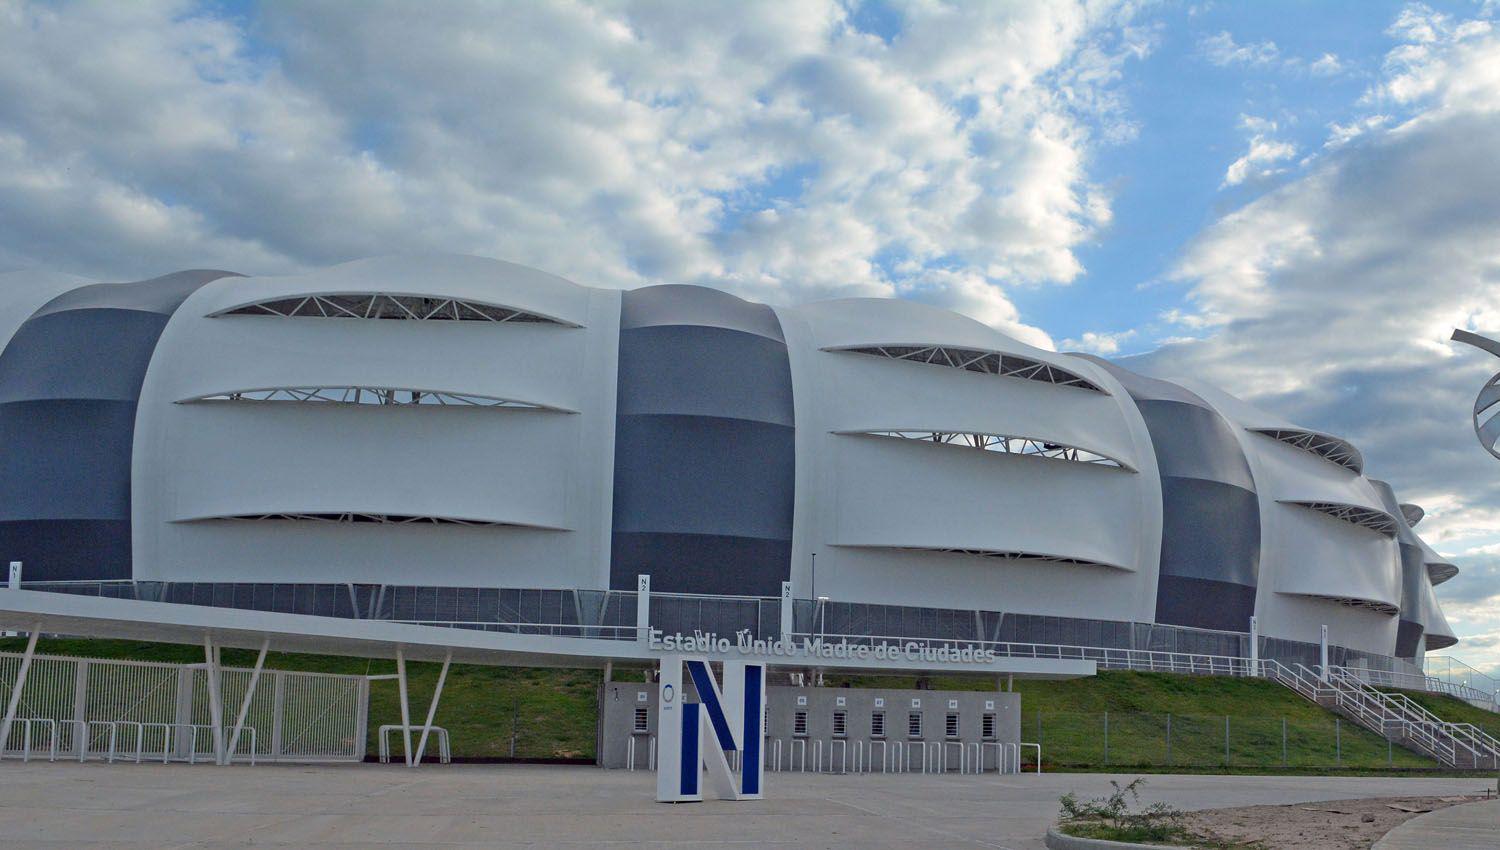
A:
{"points": [[1331, 298], [774, 149], [1264, 152], [1326, 65], [1101, 343]]}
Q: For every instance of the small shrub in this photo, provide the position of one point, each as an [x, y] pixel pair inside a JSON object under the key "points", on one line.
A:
{"points": [[1120, 817]]}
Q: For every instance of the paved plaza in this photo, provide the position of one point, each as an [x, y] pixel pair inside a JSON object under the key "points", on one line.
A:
{"points": [[73, 805]]}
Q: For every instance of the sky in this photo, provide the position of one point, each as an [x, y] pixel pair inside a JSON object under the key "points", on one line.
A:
{"points": [[1295, 201]]}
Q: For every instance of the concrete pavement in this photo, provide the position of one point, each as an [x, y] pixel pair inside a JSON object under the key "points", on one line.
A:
{"points": [[92, 805], [1472, 826]]}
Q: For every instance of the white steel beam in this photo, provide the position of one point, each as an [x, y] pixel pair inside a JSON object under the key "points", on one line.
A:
{"points": [[215, 698], [239, 720], [405, 706], [15, 691], [432, 709]]}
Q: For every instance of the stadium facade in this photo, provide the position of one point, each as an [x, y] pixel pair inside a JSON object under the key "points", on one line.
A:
{"points": [[447, 439]]}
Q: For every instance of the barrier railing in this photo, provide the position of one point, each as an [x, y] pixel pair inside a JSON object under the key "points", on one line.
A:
{"points": [[445, 752]]}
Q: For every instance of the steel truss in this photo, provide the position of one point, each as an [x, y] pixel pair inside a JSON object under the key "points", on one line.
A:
{"points": [[1331, 449], [1008, 555], [377, 519], [390, 396], [976, 360], [999, 443], [380, 305], [1367, 604], [1353, 514]]}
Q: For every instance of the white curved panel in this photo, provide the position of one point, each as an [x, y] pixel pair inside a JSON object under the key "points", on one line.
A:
{"points": [[543, 468], [866, 503], [1309, 560], [23, 292], [1327, 557], [1299, 618], [907, 494], [530, 361], [1437, 634], [869, 390]]}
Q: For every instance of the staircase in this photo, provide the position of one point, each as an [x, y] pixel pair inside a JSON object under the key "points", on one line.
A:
{"points": [[1394, 717]]}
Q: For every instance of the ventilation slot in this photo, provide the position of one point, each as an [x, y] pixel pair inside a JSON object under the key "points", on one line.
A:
{"points": [[376, 396], [380, 305], [977, 360], [1332, 449], [1378, 521], [1000, 443]]}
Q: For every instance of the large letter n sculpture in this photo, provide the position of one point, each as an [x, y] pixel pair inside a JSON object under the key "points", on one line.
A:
{"points": [[694, 736]]}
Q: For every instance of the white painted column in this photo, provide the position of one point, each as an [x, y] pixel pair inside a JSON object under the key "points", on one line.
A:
{"points": [[432, 709], [15, 691], [239, 720], [643, 608], [786, 611], [14, 583], [1323, 653], [1254, 647], [215, 697], [405, 706], [674, 744]]}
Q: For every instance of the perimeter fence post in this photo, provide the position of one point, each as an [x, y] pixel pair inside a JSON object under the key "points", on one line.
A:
{"points": [[1106, 737], [1283, 742], [1390, 756], [278, 714], [1169, 740], [1226, 740], [1039, 726], [1338, 742], [80, 707]]}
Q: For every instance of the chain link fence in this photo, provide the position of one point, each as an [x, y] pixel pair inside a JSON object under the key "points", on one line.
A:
{"points": [[1120, 739]]}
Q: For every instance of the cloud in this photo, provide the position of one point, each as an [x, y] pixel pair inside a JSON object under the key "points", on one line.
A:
{"points": [[1326, 65], [1342, 134], [1264, 151], [1222, 50], [1330, 299], [773, 149], [1101, 343]]}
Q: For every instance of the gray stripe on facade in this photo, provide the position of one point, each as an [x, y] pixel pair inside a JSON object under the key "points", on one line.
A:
{"points": [[1210, 549], [1413, 618], [704, 444], [70, 379]]}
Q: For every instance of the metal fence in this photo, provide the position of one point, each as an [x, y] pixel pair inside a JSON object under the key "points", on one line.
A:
{"points": [[1114, 739], [1455, 672], [610, 614], [94, 708]]}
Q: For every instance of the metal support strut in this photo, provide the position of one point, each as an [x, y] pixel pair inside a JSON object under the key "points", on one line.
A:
{"points": [[432, 709]]}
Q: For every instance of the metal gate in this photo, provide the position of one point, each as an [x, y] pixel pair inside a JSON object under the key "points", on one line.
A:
{"points": [[88, 708]]}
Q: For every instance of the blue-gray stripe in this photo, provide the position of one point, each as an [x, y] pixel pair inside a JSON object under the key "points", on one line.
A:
{"points": [[70, 379], [1210, 543], [1412, 622], [704, 449]]}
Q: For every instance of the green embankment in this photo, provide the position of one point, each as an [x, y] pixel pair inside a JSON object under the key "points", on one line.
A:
{"points": [[545, 713]]}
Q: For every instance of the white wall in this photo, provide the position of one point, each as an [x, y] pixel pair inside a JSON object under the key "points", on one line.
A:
{"points": [[551, 470], [1304, 554], [861, 497]]}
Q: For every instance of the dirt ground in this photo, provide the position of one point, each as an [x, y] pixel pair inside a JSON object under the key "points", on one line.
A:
{"points": [[1337, 825]]}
